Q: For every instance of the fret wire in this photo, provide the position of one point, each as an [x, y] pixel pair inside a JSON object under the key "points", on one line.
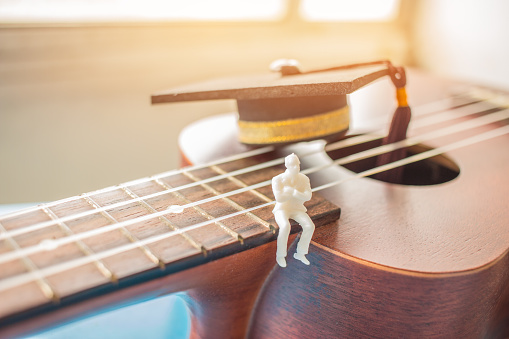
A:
{"points": [[416, 111], [131, 237], [487, 119], [231, 202], [11, 282], [342, 143], [41, 225], [24, 278], [82, 246], [235, 157], [241, 183], [200, 210], [168, 223], [47, 271], [41, 281]]}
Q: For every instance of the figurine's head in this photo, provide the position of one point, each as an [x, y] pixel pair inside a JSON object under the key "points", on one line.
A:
{"points": [[292, 164]]}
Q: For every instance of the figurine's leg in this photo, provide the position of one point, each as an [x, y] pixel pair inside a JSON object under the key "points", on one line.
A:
{"points": [[282, 238], [308, 229]]}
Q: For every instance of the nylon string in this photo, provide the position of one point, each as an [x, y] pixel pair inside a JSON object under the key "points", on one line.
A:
{"points": [[30, 276], [333, 146], [337, 145], [355, 157]]}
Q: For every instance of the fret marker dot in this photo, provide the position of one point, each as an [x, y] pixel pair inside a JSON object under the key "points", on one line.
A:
{"points": [[176, 209], [48, 244]]}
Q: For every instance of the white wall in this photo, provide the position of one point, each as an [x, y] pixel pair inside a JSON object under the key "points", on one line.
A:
{"points": [[75, 111], [74, 101], [463, 39]]}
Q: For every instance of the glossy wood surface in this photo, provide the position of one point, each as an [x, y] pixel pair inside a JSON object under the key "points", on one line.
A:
{"points": [[50, 297], [403, 260], [343, 297], [225, 287], [433, 232]]}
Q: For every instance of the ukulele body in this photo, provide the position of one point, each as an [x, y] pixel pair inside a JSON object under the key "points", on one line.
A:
{"points": [[422, 260], [427, 260]]}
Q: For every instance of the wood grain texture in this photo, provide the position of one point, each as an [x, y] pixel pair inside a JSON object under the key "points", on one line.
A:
{"points": [[433, 232], [226, 274], [344, 297], [222, 306], [40, 298], [403, 261]]}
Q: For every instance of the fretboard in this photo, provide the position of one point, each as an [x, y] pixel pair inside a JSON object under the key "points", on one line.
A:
{"points": [[95, 241]]}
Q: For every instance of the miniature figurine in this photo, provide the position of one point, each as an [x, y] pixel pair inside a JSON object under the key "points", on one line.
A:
{"points": [[291, 189]]}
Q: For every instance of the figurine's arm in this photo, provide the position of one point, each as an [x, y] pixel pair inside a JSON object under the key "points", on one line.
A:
{"points": [[281, 193], [305, 194]]}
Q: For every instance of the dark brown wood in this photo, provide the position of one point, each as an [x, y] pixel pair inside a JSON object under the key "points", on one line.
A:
{"points": [[345, 297], [227, 280], [39, 299], [229, 291], [273, 85], [403, 261]]}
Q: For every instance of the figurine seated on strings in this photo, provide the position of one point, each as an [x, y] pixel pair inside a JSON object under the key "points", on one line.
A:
{"points": [[291, 190]]}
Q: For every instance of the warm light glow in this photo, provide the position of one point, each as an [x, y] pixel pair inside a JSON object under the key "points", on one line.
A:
{"points": [[349, 10], [138, 10]]}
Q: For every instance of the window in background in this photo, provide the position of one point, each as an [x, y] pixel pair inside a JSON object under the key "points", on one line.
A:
{"points": [[349, 10], [89, 11], [94, 11]]}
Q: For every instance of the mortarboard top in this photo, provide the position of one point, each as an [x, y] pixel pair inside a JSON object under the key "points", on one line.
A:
{"points": [[287, 106]]}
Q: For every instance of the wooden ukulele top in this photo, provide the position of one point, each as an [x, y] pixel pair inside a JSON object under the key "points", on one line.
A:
{"points": [[452, 228], [455, 226]]}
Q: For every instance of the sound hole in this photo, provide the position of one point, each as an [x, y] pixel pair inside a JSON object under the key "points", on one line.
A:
{"points": [[432, 171]]}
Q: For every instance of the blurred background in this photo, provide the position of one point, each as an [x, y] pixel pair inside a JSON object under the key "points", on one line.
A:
{"points": [[76, 76]]}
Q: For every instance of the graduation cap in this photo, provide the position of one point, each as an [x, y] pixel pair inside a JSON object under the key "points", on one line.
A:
{"points": [[291, 106]]}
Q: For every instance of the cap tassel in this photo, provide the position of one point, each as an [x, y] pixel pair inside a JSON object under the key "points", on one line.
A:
{"points": [[398, 128]]}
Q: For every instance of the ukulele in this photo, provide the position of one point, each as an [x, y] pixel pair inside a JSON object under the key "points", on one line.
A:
{"points": [[422, 254]]}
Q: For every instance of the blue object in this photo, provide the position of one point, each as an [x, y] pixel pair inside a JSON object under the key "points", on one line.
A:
{"points": [[164, 317]]}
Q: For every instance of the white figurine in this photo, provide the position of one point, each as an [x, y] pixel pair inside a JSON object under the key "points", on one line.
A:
{"points": [[291, 190]]}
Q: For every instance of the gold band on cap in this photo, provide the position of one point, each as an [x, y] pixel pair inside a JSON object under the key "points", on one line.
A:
{"points": [[271, 132]]}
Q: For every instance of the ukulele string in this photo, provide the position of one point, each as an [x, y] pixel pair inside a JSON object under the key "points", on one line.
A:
{"points": [[330, 147], [240, 156], [420, 112], [58, 268], [421, 156], [411, 141], [465, 125], [281, 160], [424, 109]]}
